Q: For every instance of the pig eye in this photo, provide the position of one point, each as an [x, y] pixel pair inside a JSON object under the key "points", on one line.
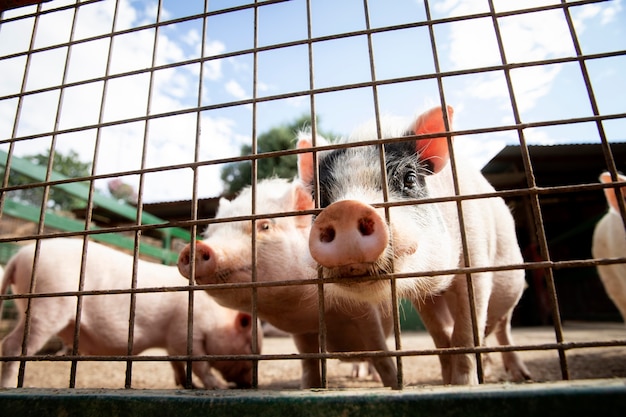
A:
{"points": [[410, 179], [264, 225]]}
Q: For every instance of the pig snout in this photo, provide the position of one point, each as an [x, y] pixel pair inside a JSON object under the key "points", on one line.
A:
{"points": [[348, 235], [205, 262]]}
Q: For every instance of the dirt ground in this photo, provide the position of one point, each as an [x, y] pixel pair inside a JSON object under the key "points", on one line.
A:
{"points": [[587, 363]]}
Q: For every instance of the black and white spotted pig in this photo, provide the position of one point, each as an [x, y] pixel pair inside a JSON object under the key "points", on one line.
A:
{"points": [[351, 237]]}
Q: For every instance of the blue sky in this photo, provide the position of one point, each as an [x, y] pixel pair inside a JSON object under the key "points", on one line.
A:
{"points": [[481, 100]]}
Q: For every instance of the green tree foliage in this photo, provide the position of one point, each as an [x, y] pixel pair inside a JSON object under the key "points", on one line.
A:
{"points": [[235, 176], [69, 165]]}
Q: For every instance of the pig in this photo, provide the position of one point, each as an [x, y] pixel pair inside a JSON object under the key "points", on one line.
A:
{"points": [[225, 256], [160, 318], [351, 237], [609, 241]]}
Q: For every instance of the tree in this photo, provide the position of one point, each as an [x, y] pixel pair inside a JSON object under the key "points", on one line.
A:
{"points": [[237, 175], [69, 165], [122, 191]]}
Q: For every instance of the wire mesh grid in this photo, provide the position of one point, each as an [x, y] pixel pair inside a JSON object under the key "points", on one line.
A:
{"points": [[140, 89]]}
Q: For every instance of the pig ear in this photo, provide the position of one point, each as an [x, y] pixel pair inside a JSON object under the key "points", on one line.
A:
{"points": [[243, 321], [305, 160], [609, 193], [434, 150], [302, 200]]}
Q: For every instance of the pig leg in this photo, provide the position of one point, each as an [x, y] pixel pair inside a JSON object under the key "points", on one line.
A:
{"points": [[463, 370], [202, 369], [437, 319], [180, 375], [11, 346], [511, 360], [311, 374], [39, 334], [386, 370], [362, 370], [374, 339]]}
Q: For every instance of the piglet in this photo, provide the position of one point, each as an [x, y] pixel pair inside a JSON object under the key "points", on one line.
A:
{"points": [[225, 256], [609, 241], [160, 318], [354, 237]]}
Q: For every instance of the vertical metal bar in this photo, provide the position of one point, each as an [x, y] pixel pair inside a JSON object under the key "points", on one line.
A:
{"points": [[321, 298], [27, 314], [254, 179], [89, 207], [384, 182], [138, 232], [56, 127], [194, 202], [476, 332], [534, 198], [18, 110]]}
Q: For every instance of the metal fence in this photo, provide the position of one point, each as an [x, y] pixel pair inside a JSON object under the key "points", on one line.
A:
{"points": [[163, 95]]}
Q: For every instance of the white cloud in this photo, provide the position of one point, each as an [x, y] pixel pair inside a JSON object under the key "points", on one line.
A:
{"points": [[170, 140], [460, 7], [531, 84], [213, 68], [235, 90], [96, 19], [527, 37], [610, 11], [192, 38], [473, 44]]}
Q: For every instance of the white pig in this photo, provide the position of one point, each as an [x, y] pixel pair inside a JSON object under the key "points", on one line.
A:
{"points": [[225, 256], [609, 241], [350, 237], [160, 317]]}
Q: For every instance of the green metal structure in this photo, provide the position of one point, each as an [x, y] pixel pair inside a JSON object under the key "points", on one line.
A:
{"points": [[80, 190]]}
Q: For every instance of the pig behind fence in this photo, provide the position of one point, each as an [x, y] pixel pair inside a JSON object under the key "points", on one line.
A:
{"points": [[350, 237], [609, 241], [160, 317], [225, 256]]}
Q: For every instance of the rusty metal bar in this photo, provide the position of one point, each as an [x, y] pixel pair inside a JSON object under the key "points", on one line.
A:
{"points": [[532, 191]]}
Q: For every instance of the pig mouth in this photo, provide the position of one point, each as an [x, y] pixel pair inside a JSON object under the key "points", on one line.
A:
{"points": [[382, 266], [364, 280], [358, 269], [225, 276], [369, 286], [354, 273]]}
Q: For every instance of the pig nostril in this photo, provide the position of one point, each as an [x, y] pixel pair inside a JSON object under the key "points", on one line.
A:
{"points": [[327, 234], [366, 226], [206, 256], [184, 259]]}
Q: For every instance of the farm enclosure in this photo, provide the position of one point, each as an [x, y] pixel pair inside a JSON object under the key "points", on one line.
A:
{"points": [[163, 96]]}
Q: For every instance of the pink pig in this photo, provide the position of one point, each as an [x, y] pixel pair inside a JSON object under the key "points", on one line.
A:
{"points": [[352, 237], [160, 317], [225, 256], [609, 241]]}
